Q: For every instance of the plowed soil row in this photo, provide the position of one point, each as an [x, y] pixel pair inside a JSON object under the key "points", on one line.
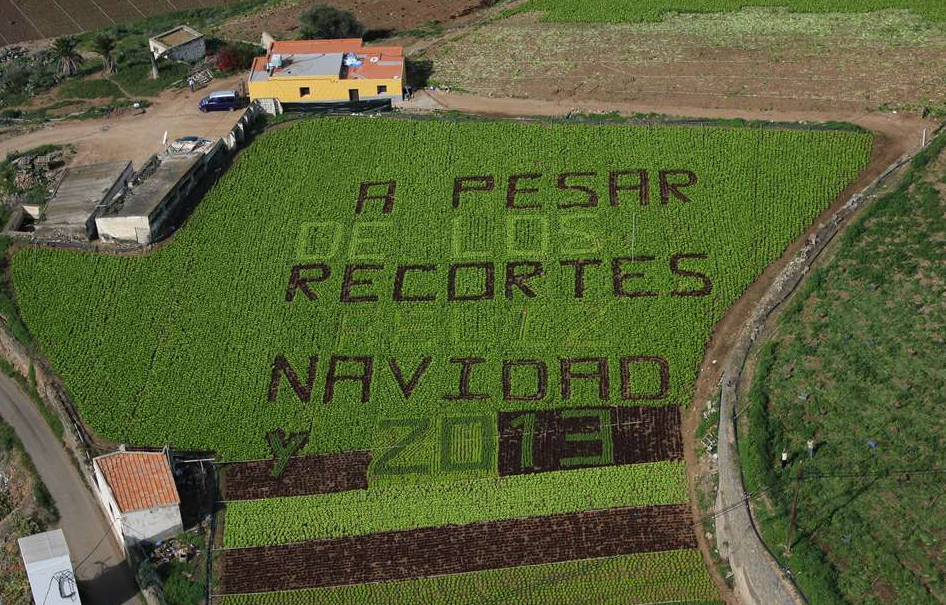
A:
{"points": [[638, 434], [753, 60], [305, 475], [22, 20], [447, 550]]}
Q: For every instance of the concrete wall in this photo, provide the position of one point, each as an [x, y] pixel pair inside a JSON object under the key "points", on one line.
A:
{"points": [[91, 230], [128, 228], [152, 524], [324, 89], [238, 133], [109, 505], [192, 51]]}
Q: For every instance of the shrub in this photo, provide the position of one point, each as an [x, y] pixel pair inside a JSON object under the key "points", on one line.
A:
{"points": [[236, 57], [324, 21]]}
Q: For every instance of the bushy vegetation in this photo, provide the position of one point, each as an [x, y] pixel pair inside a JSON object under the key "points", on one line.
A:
{"points": [[322, 21], [236, 56], [19, 518], [88, 89], [620, 11], [180, 345], [856, 368], [668, 577]]}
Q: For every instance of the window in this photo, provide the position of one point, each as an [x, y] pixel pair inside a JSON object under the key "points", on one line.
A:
{"points": [[353, 95], [303, 91], [382, 90]]}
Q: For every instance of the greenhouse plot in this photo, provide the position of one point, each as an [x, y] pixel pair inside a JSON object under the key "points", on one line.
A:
{"points": [[465, 330]]}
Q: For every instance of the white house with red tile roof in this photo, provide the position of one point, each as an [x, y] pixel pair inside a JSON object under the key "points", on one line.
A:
{"points": [[138, 495]]}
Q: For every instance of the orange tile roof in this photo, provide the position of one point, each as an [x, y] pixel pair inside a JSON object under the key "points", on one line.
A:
{"points": [[299, 47], [139, 480]]}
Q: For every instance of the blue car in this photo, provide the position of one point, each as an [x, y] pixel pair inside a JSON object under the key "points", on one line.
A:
{"points": [[222, 100]]}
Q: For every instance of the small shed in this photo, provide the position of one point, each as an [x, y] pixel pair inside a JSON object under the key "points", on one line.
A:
{"points": [[182, 43], [83, 193], [139, 496], [48, 568]]}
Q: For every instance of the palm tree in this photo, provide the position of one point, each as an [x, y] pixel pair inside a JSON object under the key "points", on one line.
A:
{"points": [[104, 45], [64, 49]]}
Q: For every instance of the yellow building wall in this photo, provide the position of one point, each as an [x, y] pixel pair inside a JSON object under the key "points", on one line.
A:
{"points": [[321, 90]]}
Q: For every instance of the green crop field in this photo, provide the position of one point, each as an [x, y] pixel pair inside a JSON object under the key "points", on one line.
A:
{"points": [[180, 346], [620, 11], [482, 332]]}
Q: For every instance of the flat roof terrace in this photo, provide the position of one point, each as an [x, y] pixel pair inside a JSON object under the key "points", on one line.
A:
{"points": [[177, 36], [81, 190], [302, 65], [144, 198], [314, 58]]}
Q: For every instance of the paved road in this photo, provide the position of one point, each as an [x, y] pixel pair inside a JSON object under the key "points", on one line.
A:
{"points": [[104, 576]]}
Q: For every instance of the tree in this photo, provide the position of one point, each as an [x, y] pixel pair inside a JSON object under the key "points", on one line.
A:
{"points": [[322, 21], [64, 50], [104, 45]]}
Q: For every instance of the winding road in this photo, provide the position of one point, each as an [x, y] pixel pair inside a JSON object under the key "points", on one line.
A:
{"points": [[105, 578]]}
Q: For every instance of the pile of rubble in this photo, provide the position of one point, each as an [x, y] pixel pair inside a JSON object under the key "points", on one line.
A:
{"points": [[32, 172], [11, 53], [173, 549]]}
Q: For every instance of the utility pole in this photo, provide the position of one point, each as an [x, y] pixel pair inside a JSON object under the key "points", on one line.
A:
{"points": [[154, 65], [791, 523]]}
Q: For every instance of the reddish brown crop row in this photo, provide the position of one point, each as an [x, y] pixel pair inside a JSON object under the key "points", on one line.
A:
{"points": [[303, 476], [636, 434], [455, 549]]}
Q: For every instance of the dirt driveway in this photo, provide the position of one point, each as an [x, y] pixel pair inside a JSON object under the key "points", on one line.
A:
{"points": [[133, 137]]}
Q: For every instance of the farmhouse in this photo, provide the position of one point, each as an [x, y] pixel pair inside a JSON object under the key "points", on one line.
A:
{"points": [[181, 43], [48, 568], [300, 74], [149, 206], [83, 193], [139, 496]]}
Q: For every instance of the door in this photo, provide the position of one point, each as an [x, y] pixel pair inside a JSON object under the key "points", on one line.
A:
{"points": [[353, 95]]}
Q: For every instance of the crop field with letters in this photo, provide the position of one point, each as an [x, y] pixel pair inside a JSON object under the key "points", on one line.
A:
{"points": [[463, 347], [619, 11]]}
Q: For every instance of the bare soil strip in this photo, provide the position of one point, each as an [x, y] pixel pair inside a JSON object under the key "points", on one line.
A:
{"points": [[455, 549], [303, 476]]}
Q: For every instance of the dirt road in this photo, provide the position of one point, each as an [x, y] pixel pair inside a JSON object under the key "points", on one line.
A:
{"points": [[132, 137], [902, 131], [104, 576]]}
